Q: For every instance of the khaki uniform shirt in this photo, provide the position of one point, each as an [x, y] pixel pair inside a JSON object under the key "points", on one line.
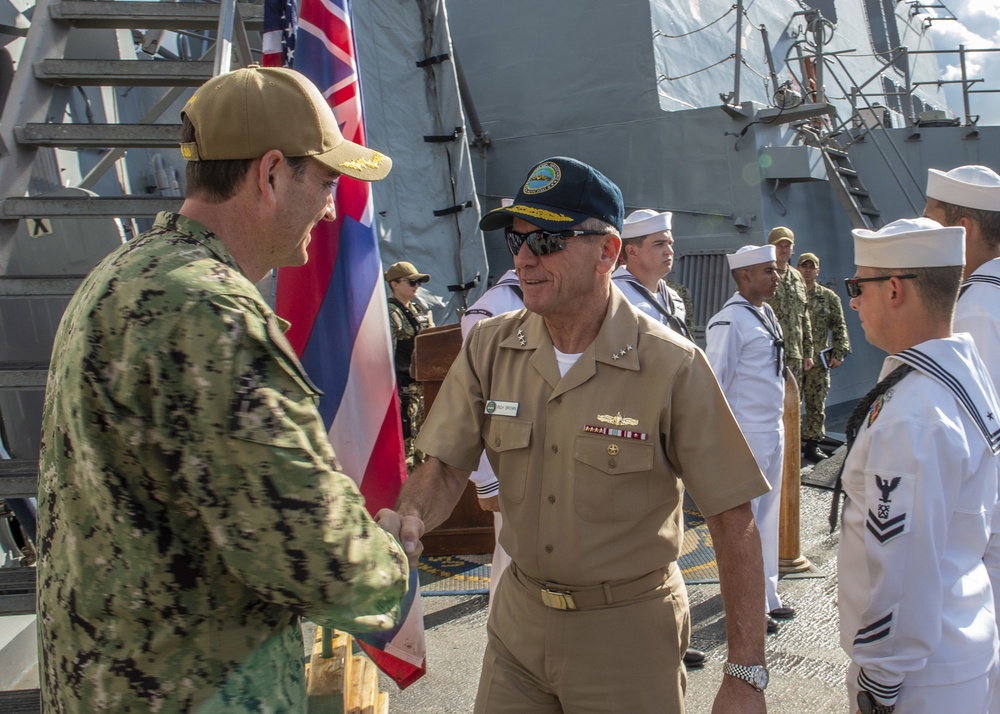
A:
{"points": [[189, 511], [582, 507]]}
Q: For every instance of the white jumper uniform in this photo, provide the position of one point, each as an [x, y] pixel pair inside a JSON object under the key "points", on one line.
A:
{"points": [[916, 607], [665, 306], [503, 297], [745, 349], [978, 313]]}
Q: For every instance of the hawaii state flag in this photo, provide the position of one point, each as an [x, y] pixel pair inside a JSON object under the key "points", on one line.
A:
{"points": [[340, 327]]}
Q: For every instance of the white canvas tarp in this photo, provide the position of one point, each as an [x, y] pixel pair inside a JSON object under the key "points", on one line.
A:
{"points": [[404, 104]]}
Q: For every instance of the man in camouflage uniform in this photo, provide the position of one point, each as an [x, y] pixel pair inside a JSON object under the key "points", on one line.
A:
{"points": [[789, 304], [826, 313], [189, 509]]}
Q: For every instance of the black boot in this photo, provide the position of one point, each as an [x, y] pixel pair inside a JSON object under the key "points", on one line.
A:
{"points": [[812, 452]]}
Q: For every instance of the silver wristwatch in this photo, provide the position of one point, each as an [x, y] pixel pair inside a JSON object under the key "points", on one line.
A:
{"points": [[753, 674]]}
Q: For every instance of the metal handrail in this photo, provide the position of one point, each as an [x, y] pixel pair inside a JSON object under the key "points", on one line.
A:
{"points": [[964, 81], [877, 140]]}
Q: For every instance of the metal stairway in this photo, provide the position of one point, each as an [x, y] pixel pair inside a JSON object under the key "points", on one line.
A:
{"points": [[849, 189], [33, 136], [844, 179]]}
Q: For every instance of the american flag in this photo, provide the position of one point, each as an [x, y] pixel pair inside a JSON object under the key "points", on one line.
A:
{"points": [[278, 37], [340, 328]]}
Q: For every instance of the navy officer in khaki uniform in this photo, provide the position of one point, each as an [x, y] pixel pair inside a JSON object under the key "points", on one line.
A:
{"points": [[594, 417]]}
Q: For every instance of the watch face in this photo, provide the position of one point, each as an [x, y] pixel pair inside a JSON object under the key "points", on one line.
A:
{"points": [[759, 675]]}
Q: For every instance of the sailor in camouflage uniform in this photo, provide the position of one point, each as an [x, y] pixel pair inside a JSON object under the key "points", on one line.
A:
{"points": [[789, 304], [408, 315], [826, 313], [189, 510]]}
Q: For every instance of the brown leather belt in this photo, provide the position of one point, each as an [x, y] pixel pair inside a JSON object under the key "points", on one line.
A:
{"points": [[564, 597]]}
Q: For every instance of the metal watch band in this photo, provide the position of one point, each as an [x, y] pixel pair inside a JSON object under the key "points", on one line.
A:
{"points": [[747, 673]]}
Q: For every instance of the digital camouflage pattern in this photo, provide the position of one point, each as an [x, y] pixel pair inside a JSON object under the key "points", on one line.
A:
{"points": [[789, 305], [411, 393], [826, 314], [189, 510], [400, 327], [685, 294]]}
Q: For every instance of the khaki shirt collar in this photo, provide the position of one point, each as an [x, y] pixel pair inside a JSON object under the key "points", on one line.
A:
{"points": [[616, 345]]}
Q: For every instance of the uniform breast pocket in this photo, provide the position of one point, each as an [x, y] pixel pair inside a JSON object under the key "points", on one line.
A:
{"points": [[509, 439], [612, 479], [275, 402]]}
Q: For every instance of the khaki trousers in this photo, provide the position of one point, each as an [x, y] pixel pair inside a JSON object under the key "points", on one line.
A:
{"points": [[622, 659]]}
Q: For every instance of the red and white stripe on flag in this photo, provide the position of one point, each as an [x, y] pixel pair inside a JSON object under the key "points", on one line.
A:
{"points": [[340, 328], [278, 36]]}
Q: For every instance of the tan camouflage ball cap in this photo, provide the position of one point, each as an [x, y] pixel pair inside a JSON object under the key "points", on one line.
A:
{"points": [[405, 269], [809, 258], [245, 113], [779, 234]]}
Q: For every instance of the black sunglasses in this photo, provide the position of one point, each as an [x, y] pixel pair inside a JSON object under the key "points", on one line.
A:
{"points": [[542, 242], [853, 285], [413, 283]]}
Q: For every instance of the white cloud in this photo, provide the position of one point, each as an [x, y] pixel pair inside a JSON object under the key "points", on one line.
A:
{"points": [[984, 16]]}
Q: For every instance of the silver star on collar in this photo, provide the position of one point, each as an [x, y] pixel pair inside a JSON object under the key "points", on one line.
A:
{"points": [[521, 338]]}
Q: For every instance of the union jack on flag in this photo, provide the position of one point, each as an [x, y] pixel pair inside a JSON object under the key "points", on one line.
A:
{"points": [[340, 327]]}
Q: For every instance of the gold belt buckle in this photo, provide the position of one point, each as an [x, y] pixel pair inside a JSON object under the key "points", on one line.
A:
{"points": [[557, 600]]}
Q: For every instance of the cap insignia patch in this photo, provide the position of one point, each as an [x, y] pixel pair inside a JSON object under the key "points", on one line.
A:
{"points": [[361, 164], [543, 178]]}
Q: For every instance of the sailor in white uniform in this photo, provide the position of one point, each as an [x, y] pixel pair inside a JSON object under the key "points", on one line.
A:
{"points": [[916, 606], [647, 257], [744, 345], [969, 196], [504, 296]]}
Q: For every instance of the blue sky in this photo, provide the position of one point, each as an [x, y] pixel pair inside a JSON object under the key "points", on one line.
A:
{"points": [[977, 26]]}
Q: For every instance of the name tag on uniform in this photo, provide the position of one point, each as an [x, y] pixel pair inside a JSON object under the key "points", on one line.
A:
{"points": [[502, 408]]}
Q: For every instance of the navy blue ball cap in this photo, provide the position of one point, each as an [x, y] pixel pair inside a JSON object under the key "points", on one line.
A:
{"points": [[558, 194]]}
